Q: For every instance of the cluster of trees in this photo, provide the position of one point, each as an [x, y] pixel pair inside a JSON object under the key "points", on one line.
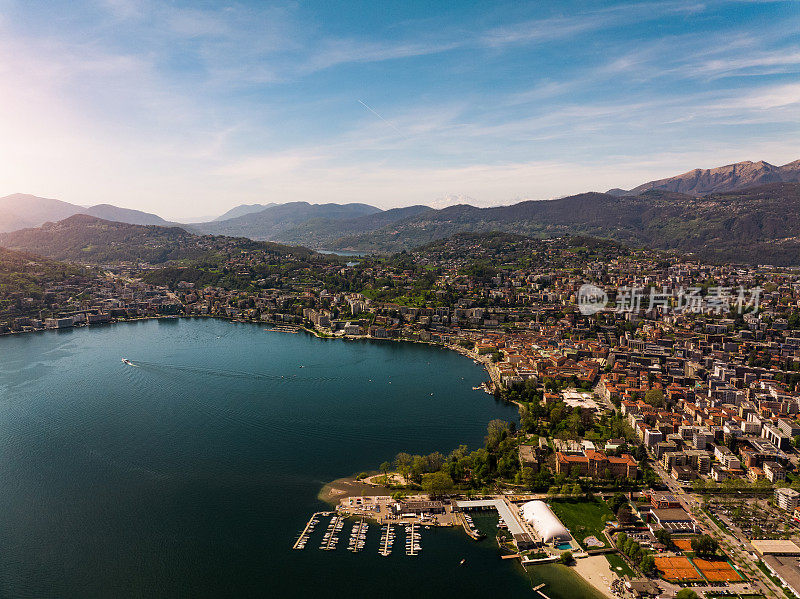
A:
{"points": [[561, 421], [705, 546], [731, 485], [618, 504], [462, 469], [665, 538], [526, 391], [636, 553], [555, 420]]}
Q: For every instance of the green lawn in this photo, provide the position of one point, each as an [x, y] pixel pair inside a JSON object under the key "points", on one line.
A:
{"points": [[583, 518], [615, 561]]}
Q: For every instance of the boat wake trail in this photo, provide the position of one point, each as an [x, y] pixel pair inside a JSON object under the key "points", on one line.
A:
{"points": [[218, 372]]}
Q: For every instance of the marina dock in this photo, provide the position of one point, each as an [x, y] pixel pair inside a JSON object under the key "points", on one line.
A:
{"points": [[358, 536], [301, 541], [412, 539], [387, 540], [468, 527], [331, 538], [539, 588]]}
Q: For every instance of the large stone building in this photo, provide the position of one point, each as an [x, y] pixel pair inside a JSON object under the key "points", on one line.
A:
{"points": [[596, 464]]}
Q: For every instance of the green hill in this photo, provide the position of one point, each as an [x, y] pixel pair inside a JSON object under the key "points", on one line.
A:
{"points": [[89, 240], [760, 224]]}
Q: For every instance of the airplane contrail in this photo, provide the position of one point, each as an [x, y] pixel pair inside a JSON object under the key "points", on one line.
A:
{"points": [[368, 107]]}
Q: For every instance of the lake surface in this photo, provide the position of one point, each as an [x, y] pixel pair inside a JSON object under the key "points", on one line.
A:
{"points": [[191, 473]]}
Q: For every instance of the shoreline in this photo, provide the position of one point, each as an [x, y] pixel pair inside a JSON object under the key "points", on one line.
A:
{"points": [[347, 486], [484, 362], [596, 571]]}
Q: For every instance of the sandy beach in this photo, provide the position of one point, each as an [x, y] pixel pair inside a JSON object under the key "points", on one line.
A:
{"points": [[340, 488], [597, 572]]}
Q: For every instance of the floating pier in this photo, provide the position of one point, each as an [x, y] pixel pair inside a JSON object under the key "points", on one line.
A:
{"points": [[301, 541], [331, 538], [469, 527], [412, 539], [539, 588], [387, 540], [358, 536]]}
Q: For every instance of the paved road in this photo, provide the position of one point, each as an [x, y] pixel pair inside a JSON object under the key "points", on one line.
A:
{"points": [[739, 546]]}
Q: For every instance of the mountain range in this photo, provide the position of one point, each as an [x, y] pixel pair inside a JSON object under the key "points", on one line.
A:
{"points": [[91, 240], [20, 211], [243, 209], [742, 219], [731, 177], [271, 222], [759, 223]]}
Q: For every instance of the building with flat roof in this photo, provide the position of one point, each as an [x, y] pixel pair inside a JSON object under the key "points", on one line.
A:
{"points": [[672, 519], [775, 547], [774, 471], [787, 499], [664, 500], [785, 567], [421, 507], [503, 509]]}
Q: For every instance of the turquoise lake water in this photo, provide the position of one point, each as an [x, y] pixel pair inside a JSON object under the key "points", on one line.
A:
{"points": [[191, 473]]}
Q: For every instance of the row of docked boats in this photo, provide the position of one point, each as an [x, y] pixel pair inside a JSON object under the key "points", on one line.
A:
{"points": [[387, 539], [413, 546], [358, 536], [331, 538], [471, 524]]}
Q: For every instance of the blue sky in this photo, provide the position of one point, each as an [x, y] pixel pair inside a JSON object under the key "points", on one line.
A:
{"points": [[187, 109]]}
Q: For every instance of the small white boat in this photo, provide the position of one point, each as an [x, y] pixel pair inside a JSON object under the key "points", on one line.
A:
{"points": [[127, 361]]}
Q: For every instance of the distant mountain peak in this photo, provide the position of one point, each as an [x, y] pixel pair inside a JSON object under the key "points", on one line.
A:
{"points": [[730, 177], [243, 209]]}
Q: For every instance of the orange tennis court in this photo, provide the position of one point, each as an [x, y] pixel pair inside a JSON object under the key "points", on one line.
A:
{"points": [[717, 570], [677, 569]]}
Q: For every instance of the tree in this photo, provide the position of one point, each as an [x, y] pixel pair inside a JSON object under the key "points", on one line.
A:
{"points": [[436, 483], [664, 537], [617, 501], [403, 464], [496, 431], [566, 558], [705, 545], [528, 477], [648, 565], [385, 467], [434, 461], [418, 466], [629, 546], [624, 515], [654, 397]]}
